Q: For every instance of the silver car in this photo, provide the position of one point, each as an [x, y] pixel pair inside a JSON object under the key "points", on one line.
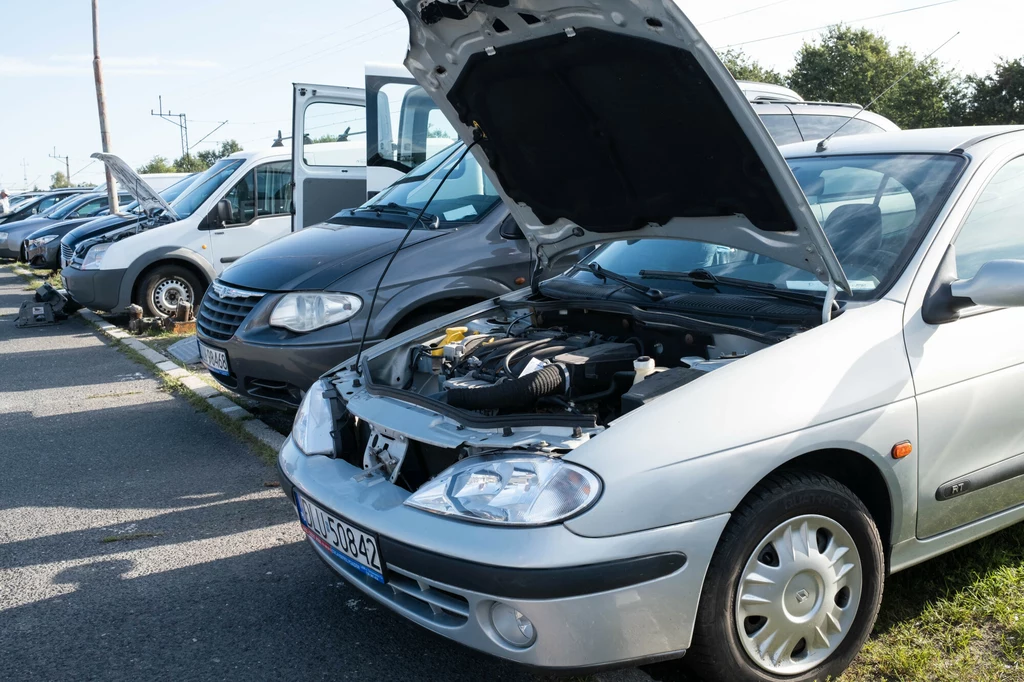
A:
{"points": [[786, 375]]}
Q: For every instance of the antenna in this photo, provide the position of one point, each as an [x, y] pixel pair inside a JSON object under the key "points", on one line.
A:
{"points": [[823, 145]]}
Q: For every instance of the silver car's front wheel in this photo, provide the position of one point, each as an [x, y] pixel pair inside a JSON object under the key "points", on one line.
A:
{"points": [[798, 594], [794, 585]]}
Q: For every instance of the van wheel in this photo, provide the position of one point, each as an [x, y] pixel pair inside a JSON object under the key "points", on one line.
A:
{"points": [[794, 586], [167, 286]]}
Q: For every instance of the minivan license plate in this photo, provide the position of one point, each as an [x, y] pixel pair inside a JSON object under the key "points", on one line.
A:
{"points": [[343, 540], [215, 360]]}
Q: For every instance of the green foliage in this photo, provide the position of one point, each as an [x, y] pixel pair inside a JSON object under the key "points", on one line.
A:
{"points": [[323, 139], [856, 65], [995, 99], [190, 164], [211, 156], [744, 68], [58, 180], [158, 164]]}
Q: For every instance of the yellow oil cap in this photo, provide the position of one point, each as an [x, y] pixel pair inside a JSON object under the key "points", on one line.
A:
{"points": [[451, 335]]}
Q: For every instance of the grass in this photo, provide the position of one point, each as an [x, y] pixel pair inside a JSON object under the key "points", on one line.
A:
{"points": [[959, 617]]}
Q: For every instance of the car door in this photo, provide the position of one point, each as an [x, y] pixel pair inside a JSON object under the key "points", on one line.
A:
{"points": [[404, 127], [261, 207], [969, 376], [328, 151]]}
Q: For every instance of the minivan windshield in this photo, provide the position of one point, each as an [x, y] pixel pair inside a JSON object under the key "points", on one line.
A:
{"points": [[874, 209], [204, 186], [169, 194], [466, 195]]}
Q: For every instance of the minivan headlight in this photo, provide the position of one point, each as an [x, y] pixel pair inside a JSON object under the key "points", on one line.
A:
{"points": [[511, 489], [313, 425], [94, 257], [306, 312]]}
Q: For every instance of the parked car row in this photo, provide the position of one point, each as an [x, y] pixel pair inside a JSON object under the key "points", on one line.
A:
{"points": [[589, 370]]}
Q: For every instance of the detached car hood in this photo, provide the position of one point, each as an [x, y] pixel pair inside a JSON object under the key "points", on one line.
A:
{"points": [[127, 178], [610, 120], [318, 256]]}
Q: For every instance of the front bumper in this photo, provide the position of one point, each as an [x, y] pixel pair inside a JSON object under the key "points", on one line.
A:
{"points": [[628, 604], [275, 374], [42, 255], [94, 289]]}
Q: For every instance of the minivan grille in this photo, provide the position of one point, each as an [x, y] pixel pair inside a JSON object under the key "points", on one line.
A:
{"points": [[67, 253], [222, 312]]}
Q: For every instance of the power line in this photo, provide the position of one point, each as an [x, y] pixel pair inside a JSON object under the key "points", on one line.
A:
{"points": [[850, 21], [746, 11]]}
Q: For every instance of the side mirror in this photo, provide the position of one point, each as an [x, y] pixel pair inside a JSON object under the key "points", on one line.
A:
{"points": [[998, 283], [224, 213], [510, 229], [73, 215]]}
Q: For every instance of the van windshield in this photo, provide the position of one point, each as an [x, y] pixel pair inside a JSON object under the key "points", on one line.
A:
{"points": [[204, 186], [466, 195]]}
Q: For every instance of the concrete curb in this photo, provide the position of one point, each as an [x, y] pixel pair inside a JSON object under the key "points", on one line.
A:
{"points": [[165, 366]]}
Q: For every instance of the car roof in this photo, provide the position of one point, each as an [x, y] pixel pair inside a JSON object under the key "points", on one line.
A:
{"points": [[840, 109], [923, 141], [270, 153]]}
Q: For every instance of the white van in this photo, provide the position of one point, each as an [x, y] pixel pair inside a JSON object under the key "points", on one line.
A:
{"points": [[177, 249]]}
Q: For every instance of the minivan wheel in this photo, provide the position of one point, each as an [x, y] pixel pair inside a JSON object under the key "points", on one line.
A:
{"points": [[165, 287], [794, 586]]}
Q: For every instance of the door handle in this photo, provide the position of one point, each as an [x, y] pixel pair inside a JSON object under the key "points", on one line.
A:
{"points": [[220, 232]]}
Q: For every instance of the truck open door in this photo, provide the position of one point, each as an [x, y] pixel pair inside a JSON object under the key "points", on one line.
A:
{"points": [[328, 151], [403, 126]]}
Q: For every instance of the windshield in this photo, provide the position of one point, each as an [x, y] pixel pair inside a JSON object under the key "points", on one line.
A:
{"points": [[874, 209], [203, 186], [169, 194], [465, 196]]}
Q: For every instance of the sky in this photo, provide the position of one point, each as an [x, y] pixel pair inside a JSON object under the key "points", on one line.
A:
{"points": [[235, 61]]}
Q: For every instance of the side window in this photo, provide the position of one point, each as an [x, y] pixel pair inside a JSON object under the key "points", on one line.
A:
{"points": [[994, 230], [334, 135], [820, 127], [47, 203], [782, 128], [242, 198], [274, 189], [91, 208]]}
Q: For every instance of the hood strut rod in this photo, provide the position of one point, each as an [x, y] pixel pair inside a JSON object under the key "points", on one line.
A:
{"points": [[830, 302]]}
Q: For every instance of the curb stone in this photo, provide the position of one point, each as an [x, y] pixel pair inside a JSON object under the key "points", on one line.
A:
{"points": [[166, 366]]}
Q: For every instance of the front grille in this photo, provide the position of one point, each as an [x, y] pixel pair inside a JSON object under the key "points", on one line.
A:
{"points": [[222, 312], [67, 253]]}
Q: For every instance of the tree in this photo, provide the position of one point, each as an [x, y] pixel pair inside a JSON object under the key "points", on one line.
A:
{"points": [[995, 99], [190, 164], [158, 164], [211, 156], [58, 180], [857, 65], [744, 68]]}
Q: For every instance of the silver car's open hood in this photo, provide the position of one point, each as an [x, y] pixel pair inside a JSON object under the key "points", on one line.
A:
{"points": [[601, 120], [148, 198]]}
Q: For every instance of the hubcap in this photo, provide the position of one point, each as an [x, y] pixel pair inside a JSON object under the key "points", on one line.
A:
{"points": [[798, 595], [169, 293]]}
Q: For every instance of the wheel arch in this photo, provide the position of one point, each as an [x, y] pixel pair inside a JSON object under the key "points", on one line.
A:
{"points": [[146, 263], [858, 473], [437, 306]]}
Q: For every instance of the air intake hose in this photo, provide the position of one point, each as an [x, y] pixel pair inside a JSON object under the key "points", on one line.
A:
{"points": [[513, 393]]}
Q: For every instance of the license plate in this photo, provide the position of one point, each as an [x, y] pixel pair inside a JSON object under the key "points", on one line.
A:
{"points": [[215, 360], [343, 540]]}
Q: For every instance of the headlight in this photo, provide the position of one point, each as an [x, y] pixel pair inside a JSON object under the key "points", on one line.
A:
{"points": [[3, 236], [312, 428], [45, 239], [513, 490], [94, 257], [306, 312]]}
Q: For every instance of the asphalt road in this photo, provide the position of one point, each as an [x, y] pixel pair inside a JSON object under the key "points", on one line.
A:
{"points": [[138, 539]]}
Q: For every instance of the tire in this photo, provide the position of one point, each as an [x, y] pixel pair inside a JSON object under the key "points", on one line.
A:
{"points": [[164, 286], [795, 501]]}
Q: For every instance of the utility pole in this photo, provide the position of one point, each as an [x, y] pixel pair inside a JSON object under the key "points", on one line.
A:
{"points": [[182, 124], [101, 103], [24, 172], [67, 164]]}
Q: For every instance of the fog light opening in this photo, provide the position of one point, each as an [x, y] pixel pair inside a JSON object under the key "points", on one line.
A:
{"points": [[512, 626]]}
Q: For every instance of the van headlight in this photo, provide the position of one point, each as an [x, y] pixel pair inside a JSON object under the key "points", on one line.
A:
{"points": [[511, 489], [313, 424], [94, 257], [306, 312]]}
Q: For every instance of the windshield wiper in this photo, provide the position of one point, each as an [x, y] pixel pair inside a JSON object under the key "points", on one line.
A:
{"points": [[702, 276], [430, 221], [603, 273]]}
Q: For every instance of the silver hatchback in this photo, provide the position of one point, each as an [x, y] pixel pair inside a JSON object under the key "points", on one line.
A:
{"points": [[784, 375]]}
